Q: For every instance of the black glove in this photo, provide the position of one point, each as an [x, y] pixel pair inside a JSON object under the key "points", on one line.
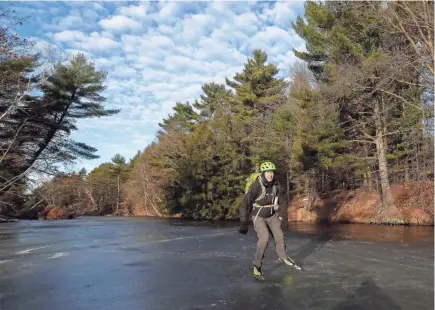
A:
{"points": [[243, 228]]}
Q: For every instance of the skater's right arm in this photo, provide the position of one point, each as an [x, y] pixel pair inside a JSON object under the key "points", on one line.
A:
{"points": [[248, 201]]}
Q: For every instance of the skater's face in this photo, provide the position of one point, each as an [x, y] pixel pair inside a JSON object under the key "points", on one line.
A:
{"points": [[269, 175]]}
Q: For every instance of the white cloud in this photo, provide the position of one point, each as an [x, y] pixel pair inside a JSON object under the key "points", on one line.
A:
{"points": [[177, 63], [90, 15], [129, 43], [54, 11], [247, 23], [135, 11], [69, 35], [196, 26], [272, 39], [219, 51], [169, 10], [153, 106], [79, 18], [43, 46], [71, 21], [159, 41], [226, 34], [93, 42], [155, 46], [107, 34], [165, 29], [109, 62], [150, 75], [282, 14], [160, 87], [123, 72], [119, 23], [97, 6], [159, 53]]}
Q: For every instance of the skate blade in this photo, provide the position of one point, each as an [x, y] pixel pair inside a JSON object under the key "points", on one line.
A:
{"points": [[295, 267], [292, 266], [259, 278]]}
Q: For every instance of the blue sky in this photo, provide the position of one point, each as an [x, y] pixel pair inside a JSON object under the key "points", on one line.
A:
{"points": [[158, 53]]}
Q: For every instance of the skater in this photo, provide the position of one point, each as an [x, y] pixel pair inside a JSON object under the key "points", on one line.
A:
{"points": [[261, 202]]}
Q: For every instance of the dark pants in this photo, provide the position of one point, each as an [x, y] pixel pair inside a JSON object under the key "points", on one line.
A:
{"points": [[260, 226]]}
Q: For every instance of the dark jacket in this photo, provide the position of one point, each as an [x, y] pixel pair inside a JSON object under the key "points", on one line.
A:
{"points": [[247, 209]]}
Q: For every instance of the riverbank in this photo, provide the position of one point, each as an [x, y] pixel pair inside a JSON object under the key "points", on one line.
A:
{"points": [[414, 206]]}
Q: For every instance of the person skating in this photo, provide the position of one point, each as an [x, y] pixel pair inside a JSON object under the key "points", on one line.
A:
{"points": [[264, 202]]}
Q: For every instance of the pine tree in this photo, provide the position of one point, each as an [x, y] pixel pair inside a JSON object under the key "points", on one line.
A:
{"points": [[17, 81], [71, 92], [82, 173], [184, 119], [119, 171], [103, 188], [258, 91], [214, 96], [230, 162], [319, 22]]}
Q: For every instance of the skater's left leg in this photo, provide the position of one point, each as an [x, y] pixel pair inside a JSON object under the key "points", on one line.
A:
{"points": [[274, 224]]}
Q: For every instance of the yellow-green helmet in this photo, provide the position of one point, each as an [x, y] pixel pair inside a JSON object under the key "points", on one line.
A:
{"points": [[267, 166]]}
